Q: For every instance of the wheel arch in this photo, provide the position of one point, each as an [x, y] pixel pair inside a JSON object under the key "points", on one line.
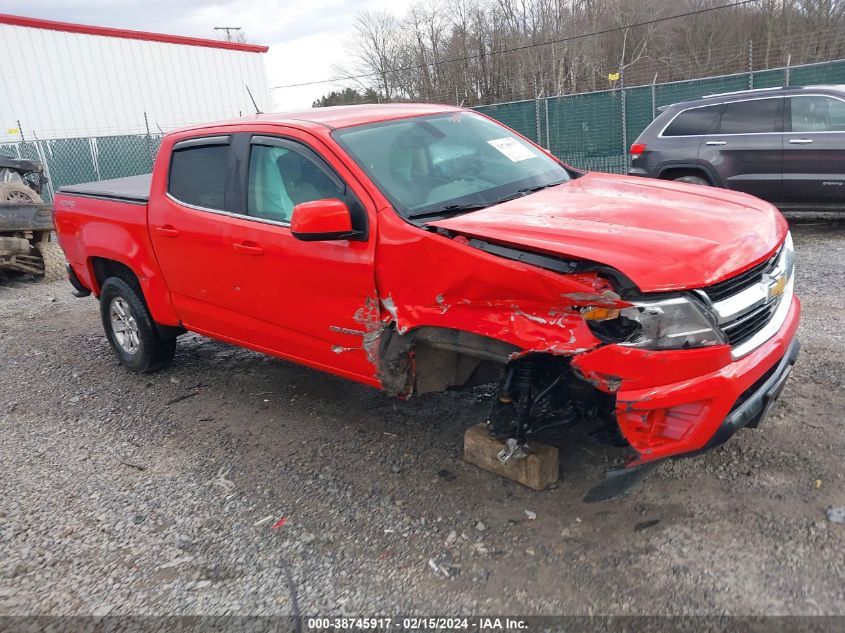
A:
{"points": [[101, 268], [430, 359], [676, 170]]}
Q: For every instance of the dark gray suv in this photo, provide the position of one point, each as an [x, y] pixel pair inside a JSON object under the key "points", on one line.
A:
{"points": [[784, 145]]}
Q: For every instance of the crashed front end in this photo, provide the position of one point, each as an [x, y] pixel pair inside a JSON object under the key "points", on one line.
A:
{"points": [[693, 397], [674, 373], [666, 371]]}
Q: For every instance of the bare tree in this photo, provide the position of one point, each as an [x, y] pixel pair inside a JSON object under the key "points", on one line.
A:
{"points": [[487, 51], [376, 47]]}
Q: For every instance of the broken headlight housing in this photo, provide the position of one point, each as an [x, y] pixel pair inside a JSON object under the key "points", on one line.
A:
{"points": [[680, 322]]}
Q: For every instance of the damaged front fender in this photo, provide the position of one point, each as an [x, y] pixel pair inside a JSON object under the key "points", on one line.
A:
{"points": [[435, 281]]}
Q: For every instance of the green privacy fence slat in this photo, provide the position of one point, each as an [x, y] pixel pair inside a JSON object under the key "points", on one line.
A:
{"points": [[832, 73], [770, 78], [70, 161], [119, 156], [586, 130], [518, 115], [638, 112]]}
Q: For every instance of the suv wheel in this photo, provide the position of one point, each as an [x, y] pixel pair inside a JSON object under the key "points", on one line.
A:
{"points": [[54, 261], [131, 330], [693, 180]]}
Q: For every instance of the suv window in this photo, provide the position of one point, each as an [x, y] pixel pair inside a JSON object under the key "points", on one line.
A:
{"points": [[198, 175], [280, 178], [817, 113], [693, 122], [756, 116]]}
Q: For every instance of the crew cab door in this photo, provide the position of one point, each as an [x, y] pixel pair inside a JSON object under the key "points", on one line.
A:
{"points": [[305, 300], [190, 226], [747, 147], [814, 150]]}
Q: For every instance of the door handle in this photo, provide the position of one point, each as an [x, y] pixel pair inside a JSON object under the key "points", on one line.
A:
{"points": [[715, 142], [248, 248], [800, 141], [167, 231]]}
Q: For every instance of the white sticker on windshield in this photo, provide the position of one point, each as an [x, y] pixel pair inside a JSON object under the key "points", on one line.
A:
{"points": [[513, 149]]}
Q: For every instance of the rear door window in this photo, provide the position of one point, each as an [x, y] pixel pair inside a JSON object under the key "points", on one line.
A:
{"points": [[198, 172], [757, 116], [693, 122]]}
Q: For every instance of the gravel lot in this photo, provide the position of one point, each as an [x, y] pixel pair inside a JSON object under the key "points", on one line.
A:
{"points": [[156, 494]]}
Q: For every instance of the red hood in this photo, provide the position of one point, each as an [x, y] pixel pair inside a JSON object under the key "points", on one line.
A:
{"points": [[662, 235]]}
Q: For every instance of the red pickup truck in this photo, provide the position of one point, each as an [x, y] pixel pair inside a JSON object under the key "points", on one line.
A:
{"points": [[417, 247]]}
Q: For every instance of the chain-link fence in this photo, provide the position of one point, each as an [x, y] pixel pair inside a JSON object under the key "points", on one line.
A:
{"points": [[590, 131], [69, 161]]}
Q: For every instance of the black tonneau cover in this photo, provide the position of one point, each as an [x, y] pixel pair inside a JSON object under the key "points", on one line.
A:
{"points": [[134, 189]]}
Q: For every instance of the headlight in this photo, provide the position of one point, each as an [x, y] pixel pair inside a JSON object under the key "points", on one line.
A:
{"points": [[677, 323], [787, 259]]}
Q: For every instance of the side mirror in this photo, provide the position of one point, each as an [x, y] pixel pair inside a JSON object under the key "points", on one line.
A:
{"points": [[323, 220]]}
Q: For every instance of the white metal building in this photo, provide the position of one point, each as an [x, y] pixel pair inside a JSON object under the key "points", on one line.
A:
{"points": [[61, 80]]}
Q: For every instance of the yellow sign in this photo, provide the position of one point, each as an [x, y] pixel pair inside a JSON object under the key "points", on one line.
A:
{"points": [[13, 130], [613, 76]]}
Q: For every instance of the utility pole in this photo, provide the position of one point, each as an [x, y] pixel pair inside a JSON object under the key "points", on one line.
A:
{"points": [[228, 30]]}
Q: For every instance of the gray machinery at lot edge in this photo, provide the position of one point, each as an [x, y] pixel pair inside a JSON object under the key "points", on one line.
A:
{"points": [[26, 223]]}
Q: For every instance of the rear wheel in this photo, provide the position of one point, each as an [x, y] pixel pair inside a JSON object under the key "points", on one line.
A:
{"points": [[693, 180], [131, 330]]}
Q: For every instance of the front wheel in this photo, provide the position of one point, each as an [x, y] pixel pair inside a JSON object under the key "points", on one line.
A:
{"points": [[131, 330]]}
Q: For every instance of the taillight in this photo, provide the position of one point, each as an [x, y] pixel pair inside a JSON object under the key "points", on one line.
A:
{"points": [[637, 149]]}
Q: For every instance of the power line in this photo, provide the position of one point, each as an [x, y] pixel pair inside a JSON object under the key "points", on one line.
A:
{"points": [[516, 48]]}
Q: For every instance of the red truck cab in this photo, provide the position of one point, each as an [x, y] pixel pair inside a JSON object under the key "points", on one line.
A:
{"points": [[417, 247]]}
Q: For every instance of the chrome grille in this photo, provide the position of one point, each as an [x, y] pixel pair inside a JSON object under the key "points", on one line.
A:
{"points": [[752, 305], [743, 280], [744, 327]]}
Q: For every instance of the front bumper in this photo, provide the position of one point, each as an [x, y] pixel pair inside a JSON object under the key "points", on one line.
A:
{"points": [[752, 407], [677, 402]]}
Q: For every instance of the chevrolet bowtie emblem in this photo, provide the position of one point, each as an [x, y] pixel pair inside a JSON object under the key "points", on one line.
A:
{"points": [[777, 284]]}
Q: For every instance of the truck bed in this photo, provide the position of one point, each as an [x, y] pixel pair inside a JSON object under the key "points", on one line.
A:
{"points": [[133, 189], [107, 219]]}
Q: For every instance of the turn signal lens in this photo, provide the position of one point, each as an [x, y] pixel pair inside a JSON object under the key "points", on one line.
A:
{"points": [[600, 314]]}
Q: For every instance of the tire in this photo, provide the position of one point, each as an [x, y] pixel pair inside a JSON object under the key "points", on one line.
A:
{"points": [[18, 193], [141, 350], [693, 180], [54, 261]]}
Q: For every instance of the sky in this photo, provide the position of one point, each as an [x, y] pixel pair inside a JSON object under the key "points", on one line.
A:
{"points": [[306, 38]]}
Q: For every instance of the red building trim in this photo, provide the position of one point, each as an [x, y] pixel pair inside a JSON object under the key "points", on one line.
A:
{"points": [[68, 27]]}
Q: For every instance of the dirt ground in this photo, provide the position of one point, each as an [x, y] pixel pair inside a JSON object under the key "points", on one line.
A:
{"points": [[157, 494]]}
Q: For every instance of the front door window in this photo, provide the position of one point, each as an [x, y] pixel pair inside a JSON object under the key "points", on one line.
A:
{"points": [[281, 178]]}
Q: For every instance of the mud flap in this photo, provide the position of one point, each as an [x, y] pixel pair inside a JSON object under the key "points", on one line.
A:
{"points": [[618, 481]]}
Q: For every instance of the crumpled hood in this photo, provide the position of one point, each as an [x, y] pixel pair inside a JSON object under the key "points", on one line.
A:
{"points": [[662, 235]]}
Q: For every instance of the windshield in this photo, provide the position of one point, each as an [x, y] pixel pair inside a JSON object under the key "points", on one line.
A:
{"points": [[448, 163]]}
